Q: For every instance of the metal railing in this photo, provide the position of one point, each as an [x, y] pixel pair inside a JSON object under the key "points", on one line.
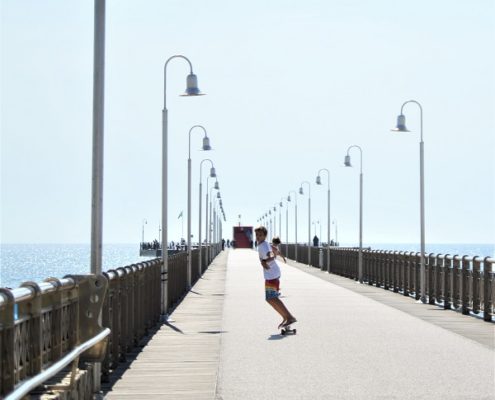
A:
{"points": [[45, 326], [40, 323], [462, 283]]}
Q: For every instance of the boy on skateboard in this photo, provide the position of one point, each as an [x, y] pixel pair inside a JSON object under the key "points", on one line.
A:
{"points": [[271, 271]]}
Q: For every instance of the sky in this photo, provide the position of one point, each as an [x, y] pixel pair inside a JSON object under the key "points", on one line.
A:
{"points": [[290, 86]]}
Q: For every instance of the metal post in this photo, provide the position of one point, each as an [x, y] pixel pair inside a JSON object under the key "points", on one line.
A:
{"points": [[189, 252], [360, 260], [422, 216], [199, 223], [97, 162], [98, 134]]}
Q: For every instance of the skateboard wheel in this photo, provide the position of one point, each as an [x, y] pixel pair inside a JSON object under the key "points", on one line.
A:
{"points": [[283, 332], [295, 331]]}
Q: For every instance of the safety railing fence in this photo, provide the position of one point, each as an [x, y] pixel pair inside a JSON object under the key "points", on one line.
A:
{"points": [[463, 283], [40, 323]]}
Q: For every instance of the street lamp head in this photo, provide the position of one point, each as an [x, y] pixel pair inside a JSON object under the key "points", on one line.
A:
{"points": [[318, 180], [213, 173], [206, 143], [218, 195], [347, 161], [280, 204], [192, 86], [401, 124], [217, 186], [288, 198], [301, 190]]}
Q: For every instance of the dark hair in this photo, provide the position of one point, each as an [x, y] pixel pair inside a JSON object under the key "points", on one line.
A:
{"points": [[276, 240], [261, 229]]}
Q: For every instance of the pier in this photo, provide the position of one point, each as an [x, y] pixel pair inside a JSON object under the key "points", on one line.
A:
{"points": [[220, 341]]}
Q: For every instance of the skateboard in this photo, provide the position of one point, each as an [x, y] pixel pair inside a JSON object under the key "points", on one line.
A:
{"points": [[287, 330]]}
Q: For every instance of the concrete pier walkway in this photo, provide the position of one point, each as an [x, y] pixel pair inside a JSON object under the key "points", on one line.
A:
{"points": [[224, 343]]}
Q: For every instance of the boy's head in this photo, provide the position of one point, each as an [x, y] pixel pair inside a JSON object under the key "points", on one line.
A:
{"points": [[261, 233], [276, 240]]}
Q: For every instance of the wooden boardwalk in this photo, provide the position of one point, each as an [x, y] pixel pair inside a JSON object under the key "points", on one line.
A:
{"points": [[354, 342], [181, 360]]}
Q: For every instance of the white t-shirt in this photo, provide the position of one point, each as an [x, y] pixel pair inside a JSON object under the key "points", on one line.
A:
{"points": [[265, 251]]}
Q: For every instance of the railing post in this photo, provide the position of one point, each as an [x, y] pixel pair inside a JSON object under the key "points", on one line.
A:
{"points": [[7, 348], [456, 265], [33, 309], [431, 278], [476, 277], [446, 281], [488, 291], [464, 289]]}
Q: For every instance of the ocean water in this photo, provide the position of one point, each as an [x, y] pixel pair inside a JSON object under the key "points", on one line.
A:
{"points": [[35, 262]]}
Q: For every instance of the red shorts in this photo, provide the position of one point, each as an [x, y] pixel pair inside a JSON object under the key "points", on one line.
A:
{"points": [[272, 288]]}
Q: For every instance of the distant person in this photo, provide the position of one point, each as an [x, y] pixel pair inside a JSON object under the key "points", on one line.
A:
{"points": [[276, 249], [316, 241], [228, 243], [271, 272], [223, 244]]}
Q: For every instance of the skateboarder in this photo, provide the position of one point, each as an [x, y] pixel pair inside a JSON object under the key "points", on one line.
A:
{"points": [[271, 271]]}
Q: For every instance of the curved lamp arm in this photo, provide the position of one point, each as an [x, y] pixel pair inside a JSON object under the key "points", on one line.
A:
{"points": [[420, 113], [361, 152], [328, 175], [190, 130], [309, 187], [165, 76]]}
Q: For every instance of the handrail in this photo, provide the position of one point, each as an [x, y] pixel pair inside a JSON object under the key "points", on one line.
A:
{"points": [[28, 293], [25, 387]]}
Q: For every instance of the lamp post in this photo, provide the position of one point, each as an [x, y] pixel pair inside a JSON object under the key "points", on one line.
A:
{"points": [[295, 218], [309, 217], [280, 205], [209, 224], [142, 232], [347, 163], [401, 127], [213, 174], [318, 182], [334, 222], [206, 147], [275, 221], [191, 90]]}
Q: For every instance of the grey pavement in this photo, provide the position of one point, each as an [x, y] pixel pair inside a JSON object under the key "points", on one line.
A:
{"points": [[348, 345]]}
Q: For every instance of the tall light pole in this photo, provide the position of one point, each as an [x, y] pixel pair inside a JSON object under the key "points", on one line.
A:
{"points": [[98, 154], [209, 224], [213, 174], [309, 216], [275, 221], [142, 232], [347, 163], [318, 182], [295, 218], [280, 205], [206, 147], [191, 90], [334, 222], [401, 127]]}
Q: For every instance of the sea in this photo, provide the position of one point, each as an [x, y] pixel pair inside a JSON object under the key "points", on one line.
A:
{"points": [[35, 262]]}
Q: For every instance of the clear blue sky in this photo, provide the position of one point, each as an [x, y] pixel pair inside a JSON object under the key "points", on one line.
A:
{"points": [[290, 86]]}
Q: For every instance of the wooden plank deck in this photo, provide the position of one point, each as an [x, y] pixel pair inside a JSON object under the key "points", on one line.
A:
{"points": [[181, 359]]}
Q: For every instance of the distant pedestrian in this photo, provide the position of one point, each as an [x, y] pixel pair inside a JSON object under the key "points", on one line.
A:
{"points": [[316, 241], [223, 244], [276, 249], [271, 272]]}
